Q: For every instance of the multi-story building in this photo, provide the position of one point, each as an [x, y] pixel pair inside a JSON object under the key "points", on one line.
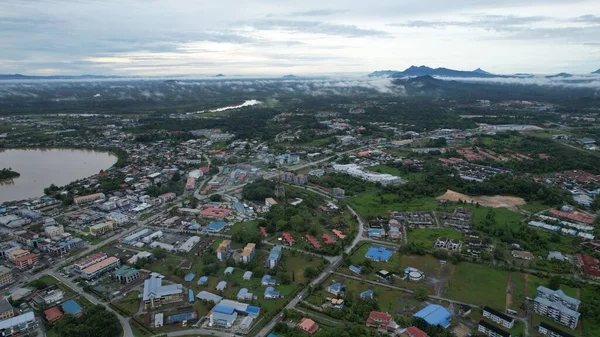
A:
{"points": [[89, 198], [557, 306], [127, 274], [223, 250], [88, 261], [248, 252], [19, 325], [155, 294], [498, 317], [49, 295], [6, 310], [491, 330], [53, 231], [103, 227], [550, 331], [6, 276], [100, 268], [27, 261], [14, 254], [274, 257]]}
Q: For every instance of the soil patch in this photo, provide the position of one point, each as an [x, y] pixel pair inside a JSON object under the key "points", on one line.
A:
{"points": [[496, 201]]}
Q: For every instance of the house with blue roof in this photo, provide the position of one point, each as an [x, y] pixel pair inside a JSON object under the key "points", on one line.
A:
{"points": [[267, 280], [189, 277], [215, 226], [355, 269], [245, 295], [271, 293], [228, 270], [288, 158], [366, 295], [247, 275], [378, 254], [222, 315], [274, 257], [336, 289], [190, 295], [434, 314], [202, 280], [72, 308], [272, 335], [221, 285]]}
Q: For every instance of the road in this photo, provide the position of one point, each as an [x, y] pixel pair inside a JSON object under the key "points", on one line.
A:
{"points": [[127, 331]]}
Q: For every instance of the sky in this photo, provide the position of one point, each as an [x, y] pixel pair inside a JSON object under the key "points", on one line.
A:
{"points": [[309, 37]]}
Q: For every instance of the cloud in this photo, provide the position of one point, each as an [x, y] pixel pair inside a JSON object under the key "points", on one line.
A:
{"points": [[314, 27], [582, 81], [318, 12]]}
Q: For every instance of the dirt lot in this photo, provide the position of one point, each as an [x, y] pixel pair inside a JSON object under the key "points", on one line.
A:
{"points": [[496, 201]]}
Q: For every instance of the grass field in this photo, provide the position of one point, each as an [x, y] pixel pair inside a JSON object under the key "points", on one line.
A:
{"points": [[428, 236], [129, 303], [425, 263], [370, 204], [534, 206], [478, 284]]}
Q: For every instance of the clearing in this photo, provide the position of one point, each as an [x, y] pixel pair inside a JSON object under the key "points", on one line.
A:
{"points": [[496, 201]]}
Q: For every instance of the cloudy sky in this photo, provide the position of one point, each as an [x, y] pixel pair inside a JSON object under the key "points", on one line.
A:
{"points": [[263, 37]]}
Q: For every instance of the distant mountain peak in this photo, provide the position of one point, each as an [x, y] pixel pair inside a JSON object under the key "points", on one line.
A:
{"points": [[563, 75], [481, 71], [219, 75], [596, 72], [290, 76]]}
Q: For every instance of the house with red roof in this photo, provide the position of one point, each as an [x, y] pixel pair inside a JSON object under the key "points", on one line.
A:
{"points": [[328, 239], [412, 331], [287, 237], [381, 320], [53, 314], [263, 231], [307, 326], [589, 265], [339, 234], [313, 241]]}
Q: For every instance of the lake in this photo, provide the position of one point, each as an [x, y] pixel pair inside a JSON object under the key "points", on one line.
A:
{"points": [[39, 168]]}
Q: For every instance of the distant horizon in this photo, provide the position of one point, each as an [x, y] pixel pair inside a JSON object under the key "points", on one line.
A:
{"points": [[141, 38]]}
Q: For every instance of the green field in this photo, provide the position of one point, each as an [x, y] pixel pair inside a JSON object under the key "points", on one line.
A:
{"points": [[129, 303], [534, 206], [478, 284], [428, 236], [371, 204]]}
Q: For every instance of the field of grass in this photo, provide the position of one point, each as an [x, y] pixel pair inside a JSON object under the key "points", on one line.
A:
{"points": [[425, 263], [129, 303], [371, 204], [428, 236], [478, 284], [534, 206]]}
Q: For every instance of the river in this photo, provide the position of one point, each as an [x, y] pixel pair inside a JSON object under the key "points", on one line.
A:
{"points": [[39, 168]]}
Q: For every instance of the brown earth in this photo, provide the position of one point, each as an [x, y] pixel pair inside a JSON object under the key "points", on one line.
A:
{"points": [[496, 201]]}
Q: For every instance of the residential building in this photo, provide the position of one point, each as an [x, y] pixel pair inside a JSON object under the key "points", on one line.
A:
{"points": [[379, 254], [72, 308], [557, 306], [53, 314], [267, 280], [102, 228], [156, 294], [84, 263], [550, 331], [19, 325], [491, 330], [16, 253], [6, 276], [88, 198], [100, 268], [248, 252], [223, 250], [6, 310], [274, 257], [523, 255], [245, 295], [127, 274], [27, 261], [308, 326], [412, 331], [50, 295], [336, 289], [383, 320], [498, 317], [271, 293], [357, 171], [222, 315], [53, 231]]}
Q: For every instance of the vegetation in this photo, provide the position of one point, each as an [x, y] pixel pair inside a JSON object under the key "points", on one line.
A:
{"points": [[8, 173], [96, 321]]}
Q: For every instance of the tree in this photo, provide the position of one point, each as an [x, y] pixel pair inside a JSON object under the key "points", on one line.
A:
{"points": [[159, 253], [554, 282], [310, 272], [420, 294], [216, 198]]}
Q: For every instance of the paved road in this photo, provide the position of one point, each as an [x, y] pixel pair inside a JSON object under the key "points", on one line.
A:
{"points": [[199, 331], [127, 331]]}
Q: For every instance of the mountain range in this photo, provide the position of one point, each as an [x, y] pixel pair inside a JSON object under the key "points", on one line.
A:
{"points": [[415, 71]]}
